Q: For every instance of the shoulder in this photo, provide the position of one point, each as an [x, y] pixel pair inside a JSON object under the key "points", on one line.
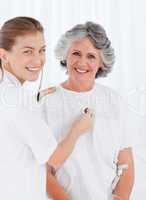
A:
{"points": [[112, 101], [15, 99], [51, 100], [117, 103], [10, 96], [107, 93]]}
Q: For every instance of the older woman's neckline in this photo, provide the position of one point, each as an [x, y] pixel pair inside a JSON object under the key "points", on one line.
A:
{"points": [[70, 90]]}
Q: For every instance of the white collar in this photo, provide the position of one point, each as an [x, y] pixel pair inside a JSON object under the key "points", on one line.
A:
{"points": [[11, 79]]}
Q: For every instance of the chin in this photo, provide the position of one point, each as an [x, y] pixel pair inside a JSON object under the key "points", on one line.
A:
{"points": [[34, 78], [81, 79]]}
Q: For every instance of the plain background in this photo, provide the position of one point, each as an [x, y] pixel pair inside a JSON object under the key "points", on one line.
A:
{"points": [[125, 24]]}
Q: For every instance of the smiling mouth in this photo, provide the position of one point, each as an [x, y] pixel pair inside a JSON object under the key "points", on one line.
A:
{"points": [[81, 71], [33, 69]]}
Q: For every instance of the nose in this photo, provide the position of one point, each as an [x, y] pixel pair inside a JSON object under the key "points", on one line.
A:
{"points": [[82, 61], [37, 60]]}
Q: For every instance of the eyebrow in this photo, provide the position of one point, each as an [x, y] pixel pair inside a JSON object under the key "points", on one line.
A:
{"points": [[29, 47], [76, 50], [93, 53]]}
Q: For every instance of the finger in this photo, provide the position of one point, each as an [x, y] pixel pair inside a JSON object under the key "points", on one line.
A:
{"points": [[86, 110], [89, 112], [51, 90], [47, 91]]}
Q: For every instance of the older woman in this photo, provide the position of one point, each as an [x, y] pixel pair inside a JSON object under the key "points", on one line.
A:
{"points": [[102, 162]]}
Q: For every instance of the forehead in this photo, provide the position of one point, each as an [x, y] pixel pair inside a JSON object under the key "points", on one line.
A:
{"points": [[83, 44], [31, 39]]}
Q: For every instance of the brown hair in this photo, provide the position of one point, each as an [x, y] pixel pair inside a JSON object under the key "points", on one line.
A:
{"points": [[15, 27]]}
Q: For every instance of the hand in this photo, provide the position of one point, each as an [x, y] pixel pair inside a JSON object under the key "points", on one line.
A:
{"points": [[54, 189], [115, 197], [84, 123], [47, 91]]}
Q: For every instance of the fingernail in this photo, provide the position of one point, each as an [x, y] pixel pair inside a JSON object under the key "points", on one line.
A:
{"points": [[86, 110]]}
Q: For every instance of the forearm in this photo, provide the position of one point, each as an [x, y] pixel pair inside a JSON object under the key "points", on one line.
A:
{"points": [[63, 150], [54, 190], [125, 184], [123, 188]]}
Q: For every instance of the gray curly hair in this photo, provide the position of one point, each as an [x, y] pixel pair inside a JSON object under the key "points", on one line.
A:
{"points": [[99, 39]]}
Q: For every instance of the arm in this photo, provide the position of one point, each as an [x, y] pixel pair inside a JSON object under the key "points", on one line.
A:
{"points": [[80, 126], [54, 190], [65, 148], [125, 184], [63, 151]]}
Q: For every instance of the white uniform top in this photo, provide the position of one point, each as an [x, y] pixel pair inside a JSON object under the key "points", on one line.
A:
{"points": [[26, 143], [92, 165]]}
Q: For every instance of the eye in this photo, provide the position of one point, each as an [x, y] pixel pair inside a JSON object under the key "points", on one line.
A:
{"points": [[28, 52], [43, 50], [76, 53], [91, 56]]}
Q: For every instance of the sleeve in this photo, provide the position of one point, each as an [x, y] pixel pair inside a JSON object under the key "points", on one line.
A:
{"points": [[129, 125], [36, 135]]}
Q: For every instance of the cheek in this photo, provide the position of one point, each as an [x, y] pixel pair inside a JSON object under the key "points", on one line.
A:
{"points": [[22, 60], [71, 60], [94, 67], [70, 64], [43, 60], [15, 63]]}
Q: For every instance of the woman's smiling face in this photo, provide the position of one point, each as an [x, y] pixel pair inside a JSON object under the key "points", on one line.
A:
{"points": [[83, 62], [27, 56]]}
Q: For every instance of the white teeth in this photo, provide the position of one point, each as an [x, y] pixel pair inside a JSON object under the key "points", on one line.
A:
{"points": [[33, 68], [81, 70]]}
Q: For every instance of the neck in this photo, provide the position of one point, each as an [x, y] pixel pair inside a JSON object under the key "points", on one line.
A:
{"points": [[13, 74], [80, 87]]}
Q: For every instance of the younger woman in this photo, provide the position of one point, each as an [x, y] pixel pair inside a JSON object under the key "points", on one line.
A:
{"points": [[26, 144]]}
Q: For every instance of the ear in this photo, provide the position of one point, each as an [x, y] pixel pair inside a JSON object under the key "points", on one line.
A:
{"points": [[101, 61], [3, 55], [102, 66]]}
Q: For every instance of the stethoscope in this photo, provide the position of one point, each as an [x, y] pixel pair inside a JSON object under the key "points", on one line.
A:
{"points": [[39, 88], [84, 110]]}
